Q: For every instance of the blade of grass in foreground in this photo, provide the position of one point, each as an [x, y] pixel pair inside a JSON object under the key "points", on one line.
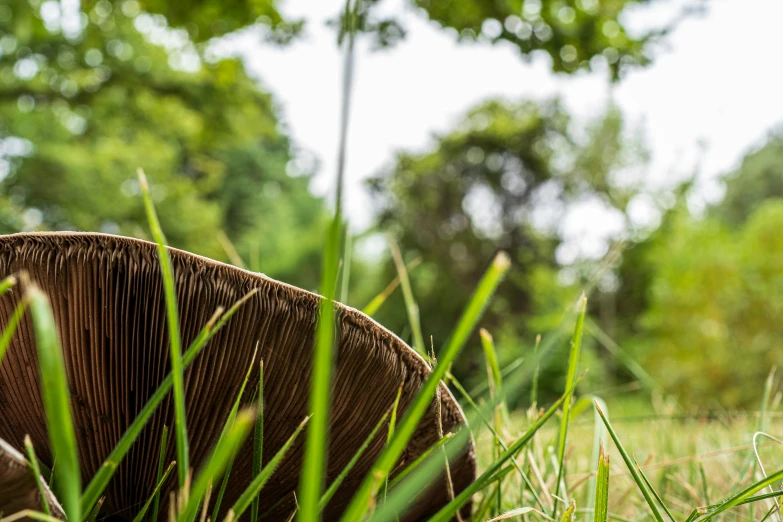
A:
{"points": [[601, 512], [246, 498], [381, 298], [654, 492], [311, 483], [172, 321], [351, 463], [631, 467], [743, 496], [489, 475], [258, 440], [56, 399], [155, 494], [388, 458], [164, 439], [224, 451], [28, 446], [10, 328], [573, 362], [102, 477], [410, 303]]}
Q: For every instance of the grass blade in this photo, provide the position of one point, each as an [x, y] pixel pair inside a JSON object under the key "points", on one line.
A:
{"points": [[153, 500], [372, 307], [421, 458], [28, 446], [56, 399], [6, 284], [258, 440], [411, 307], [164, 439], [631, 467], [490, 473], [246, 498], [226, 427], [601, 512], [573, 362], [224, 451], [172, 321], [334, 486], [10, 328], [410, 421], [104, 474], [654, 493], [743, 496]]}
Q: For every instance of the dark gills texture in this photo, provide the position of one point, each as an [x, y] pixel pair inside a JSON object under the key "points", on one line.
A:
{"points": [[108, 302]]}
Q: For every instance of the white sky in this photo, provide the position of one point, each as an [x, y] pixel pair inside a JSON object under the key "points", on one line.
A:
{"points": [[711, 96]]}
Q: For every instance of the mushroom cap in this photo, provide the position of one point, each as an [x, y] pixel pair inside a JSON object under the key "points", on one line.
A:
{"points": [[108, 302], [18, 487]]}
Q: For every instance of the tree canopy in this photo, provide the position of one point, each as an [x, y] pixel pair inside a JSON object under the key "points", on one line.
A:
{"points": [[81, 109]]}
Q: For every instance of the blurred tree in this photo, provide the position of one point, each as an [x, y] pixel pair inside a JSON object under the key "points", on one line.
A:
{"points": [[575, 34], [88, 97], [759, 177], [711, 331], [502, 180]]}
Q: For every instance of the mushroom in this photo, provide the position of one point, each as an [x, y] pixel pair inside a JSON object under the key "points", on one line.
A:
{"points": [[107, 297], [18, 488]]}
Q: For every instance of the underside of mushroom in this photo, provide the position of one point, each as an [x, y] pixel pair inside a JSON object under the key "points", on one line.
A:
{"points": [[108, 302]]}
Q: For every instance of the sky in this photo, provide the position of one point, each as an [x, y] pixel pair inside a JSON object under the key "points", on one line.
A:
{"points": [[710, 96]]}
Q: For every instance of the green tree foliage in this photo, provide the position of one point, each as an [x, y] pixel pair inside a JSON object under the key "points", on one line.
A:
{"points": [[575, 34], [759, 177], [83, 106], [711, 331], [488, 186]]}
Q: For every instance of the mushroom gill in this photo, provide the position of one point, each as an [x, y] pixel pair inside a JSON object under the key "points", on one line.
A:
{"points": [[107, 298]]}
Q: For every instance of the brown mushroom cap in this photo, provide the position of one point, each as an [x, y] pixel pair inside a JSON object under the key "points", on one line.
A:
{"points": [[18, 487], [108, 302]]}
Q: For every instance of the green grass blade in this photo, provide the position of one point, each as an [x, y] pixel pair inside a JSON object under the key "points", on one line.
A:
{"points": [[56, 399], [534, 384], [390, 434], [227, 426], [311, 483], [601, 509], [405, 491], [372, 307], [654, 492], [29, 513], [224, 451], [631, 467], [416, 410], [743, 496], [172, 321], [258, 440], [334, 486], [498, 439], [153, 500], [411, 307], [246, 498], [10, 328], [28, 446], [489, 475], [104, 474], [164, 440], [573, 362], [6, 284], [347, 255], [568, 516], [419, 460], [491, 360]]}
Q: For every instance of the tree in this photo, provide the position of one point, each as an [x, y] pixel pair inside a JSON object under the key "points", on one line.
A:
{"points": [[81, 110], [759, 177], [575, 34], [501, 181]]}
